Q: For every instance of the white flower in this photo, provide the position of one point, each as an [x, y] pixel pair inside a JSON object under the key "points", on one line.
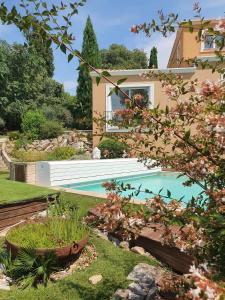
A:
{"points": [[195, 271], [195, 292], [210, 293], [204, 267]]}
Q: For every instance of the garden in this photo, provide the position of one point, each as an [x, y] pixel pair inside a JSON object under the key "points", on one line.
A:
{"points": [[42, 277], [192, 135]]}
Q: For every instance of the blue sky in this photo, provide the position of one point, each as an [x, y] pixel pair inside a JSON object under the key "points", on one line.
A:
{"points": [[112, 20]]}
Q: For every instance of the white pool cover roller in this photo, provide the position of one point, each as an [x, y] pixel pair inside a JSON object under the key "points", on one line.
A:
{"points": [[56, 173]]}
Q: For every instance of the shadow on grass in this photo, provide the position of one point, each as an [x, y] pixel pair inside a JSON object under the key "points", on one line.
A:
{"points": [[102, 291]]}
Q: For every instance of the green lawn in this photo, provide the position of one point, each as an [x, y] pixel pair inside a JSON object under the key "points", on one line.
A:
{"points": [[113, 263], [12, 191]]}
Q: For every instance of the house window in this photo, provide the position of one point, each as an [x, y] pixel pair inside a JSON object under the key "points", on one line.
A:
{"points": [[117, 102], [212, 42]]}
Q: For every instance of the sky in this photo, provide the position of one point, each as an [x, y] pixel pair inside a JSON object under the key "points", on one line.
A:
{"points": [[112, 20]]}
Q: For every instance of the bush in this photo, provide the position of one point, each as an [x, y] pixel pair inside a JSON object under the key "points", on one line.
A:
{"points": [[29, 156], [112, 148], [50, 129], [62, 153], [31, 124], [2, 124], [21, 142], [14, 135]]}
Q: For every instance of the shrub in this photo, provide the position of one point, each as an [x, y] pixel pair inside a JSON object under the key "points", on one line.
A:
{"points": [[112, 148], [2, 124], [14, 135], [62, 153], [29, 156], [21, 142], [31, 124], [50, 129]]}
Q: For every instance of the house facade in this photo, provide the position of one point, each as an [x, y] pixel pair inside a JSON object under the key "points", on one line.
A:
{"points": [[185, 47]]}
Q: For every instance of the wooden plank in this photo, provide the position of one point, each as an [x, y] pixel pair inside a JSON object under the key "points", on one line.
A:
{"points": [[12, 221], [22, 211], [42, 198], [13, 213], [172, 256]]}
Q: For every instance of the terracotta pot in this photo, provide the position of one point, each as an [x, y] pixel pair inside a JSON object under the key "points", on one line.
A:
{"points": [[64, 252]]}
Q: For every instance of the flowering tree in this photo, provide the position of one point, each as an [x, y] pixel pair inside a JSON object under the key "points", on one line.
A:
{"points": [[192, 132]]}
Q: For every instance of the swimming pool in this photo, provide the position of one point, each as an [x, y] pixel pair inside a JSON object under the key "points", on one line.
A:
{"points": [[153, 182]]}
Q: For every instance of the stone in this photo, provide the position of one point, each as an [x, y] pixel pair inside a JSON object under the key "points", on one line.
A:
{"points": [[133, 296], [137, 289], [114, 240], [146, 274], [100, 234], [142, 273], [152, 293], [124, 245], [138, 250], [60, 139], [120, 295], [4, 283], [95, 279]]}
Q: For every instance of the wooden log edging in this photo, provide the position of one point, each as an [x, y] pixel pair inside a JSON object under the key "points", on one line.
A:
{"points": [[13, 213], [150, 239]]}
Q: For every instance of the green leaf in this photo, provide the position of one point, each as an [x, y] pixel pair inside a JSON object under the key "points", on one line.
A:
{"points": [[105, 73], [168, 194], [98, 79], [187, 135], [120, 81], [63, 48], [70, 57]]}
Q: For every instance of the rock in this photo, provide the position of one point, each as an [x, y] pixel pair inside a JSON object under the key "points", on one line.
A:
{"points": [[114, 240], [146, 274], [120, 295], [60, 139], [100, 234], [124, 245], [152, 293], [95, 279], [42, 214], [137, 289], [138, 250], [133, 296], [44, 144], [4, 283]]}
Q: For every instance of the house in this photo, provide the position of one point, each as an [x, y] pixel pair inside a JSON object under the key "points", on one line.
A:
{"points": [[185, 47]]}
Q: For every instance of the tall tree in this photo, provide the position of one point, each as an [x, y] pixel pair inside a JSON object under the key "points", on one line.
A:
{"points": [[39, 44], [153, 61], [90, 52], [119, 57]]}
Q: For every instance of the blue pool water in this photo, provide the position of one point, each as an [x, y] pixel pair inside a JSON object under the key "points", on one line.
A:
{"points": [[153, 182]]}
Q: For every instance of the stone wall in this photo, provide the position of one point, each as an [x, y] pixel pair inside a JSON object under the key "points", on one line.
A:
{"points": [[79, 140]]}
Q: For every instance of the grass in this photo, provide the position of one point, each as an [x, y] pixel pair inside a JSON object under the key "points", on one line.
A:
{"points": [[51, 233], [113, 263], [12, 191]]}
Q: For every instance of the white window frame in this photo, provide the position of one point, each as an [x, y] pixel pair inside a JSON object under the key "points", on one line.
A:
{"points": [[203, 49], [110, 128]]}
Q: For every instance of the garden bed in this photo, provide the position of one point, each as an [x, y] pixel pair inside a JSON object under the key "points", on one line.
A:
{"points": [[13, 213], [150, 239], [48, 235]]}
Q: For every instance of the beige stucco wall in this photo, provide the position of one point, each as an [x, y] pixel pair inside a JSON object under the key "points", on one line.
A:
{"points": [[190, 46], [99, 94]]}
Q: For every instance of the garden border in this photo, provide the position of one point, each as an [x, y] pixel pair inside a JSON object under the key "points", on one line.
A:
{"points": [[13, 213]]}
